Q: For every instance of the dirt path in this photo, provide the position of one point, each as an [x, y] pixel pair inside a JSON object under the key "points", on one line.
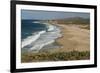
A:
{"points": [[74, 38]]}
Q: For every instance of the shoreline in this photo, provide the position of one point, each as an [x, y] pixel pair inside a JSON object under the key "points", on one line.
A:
{"points": [[71, 38]]}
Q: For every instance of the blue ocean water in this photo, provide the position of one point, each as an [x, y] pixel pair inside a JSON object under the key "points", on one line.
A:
{"points": [[29, 26]]}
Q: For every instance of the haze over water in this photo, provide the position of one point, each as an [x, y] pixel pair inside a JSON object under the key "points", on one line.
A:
{"points": [[45, 15]]}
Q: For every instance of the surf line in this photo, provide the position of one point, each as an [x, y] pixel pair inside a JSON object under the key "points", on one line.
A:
{"points": [[39, 39]]}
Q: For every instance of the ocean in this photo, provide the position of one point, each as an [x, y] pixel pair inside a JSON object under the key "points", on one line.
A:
{"points": [[36, 35], [28, 27]]}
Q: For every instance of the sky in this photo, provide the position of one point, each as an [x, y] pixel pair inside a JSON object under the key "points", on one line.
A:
{"points": [[43, 15]]}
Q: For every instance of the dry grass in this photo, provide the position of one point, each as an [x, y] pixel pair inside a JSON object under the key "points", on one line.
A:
{"points": [[58, 56]]}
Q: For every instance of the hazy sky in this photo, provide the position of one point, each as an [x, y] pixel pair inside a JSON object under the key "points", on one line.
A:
{"points": [[42, 15]]}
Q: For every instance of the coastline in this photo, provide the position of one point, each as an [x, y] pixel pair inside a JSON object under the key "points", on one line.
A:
{"points": [[70, 37], [75, 46]]}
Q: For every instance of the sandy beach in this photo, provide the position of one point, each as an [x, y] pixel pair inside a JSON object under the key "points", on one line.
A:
{"points": [[74, 38]]}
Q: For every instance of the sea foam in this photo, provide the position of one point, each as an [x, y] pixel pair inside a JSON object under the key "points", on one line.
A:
{"points": [[31, 38], [42, 38]]}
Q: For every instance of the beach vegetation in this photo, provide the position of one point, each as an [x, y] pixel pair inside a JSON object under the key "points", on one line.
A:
{"points": [[57, 56]]}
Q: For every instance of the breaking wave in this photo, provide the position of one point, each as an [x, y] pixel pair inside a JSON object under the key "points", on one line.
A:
{"points": [[39, 39]]}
